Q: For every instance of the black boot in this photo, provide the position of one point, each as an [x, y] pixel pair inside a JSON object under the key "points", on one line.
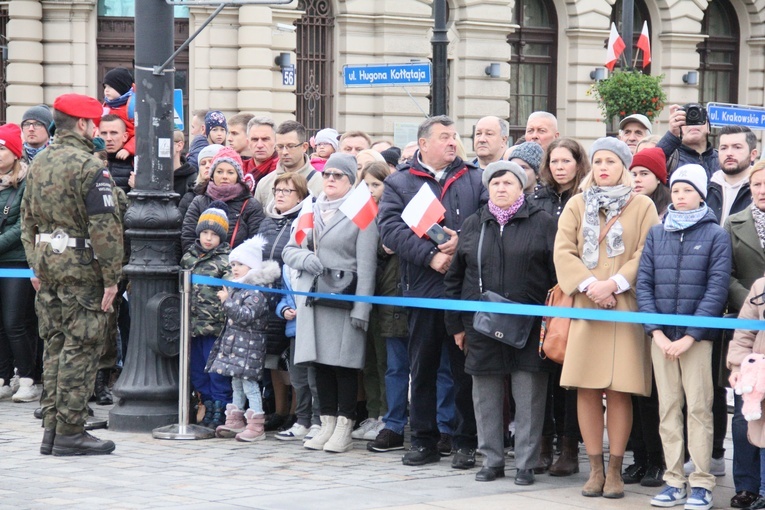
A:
{"points": [[208, 413], [80, 444], [219, 414], [102, 392], [46, 447]]}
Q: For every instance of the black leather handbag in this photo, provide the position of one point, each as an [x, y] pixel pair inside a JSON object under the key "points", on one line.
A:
{"points": [[333, 281], [512, 330]]}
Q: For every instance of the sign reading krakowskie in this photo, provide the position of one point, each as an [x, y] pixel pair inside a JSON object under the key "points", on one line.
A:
{"points": [[722, 114]]}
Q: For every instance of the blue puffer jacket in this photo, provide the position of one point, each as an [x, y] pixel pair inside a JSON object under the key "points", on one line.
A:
{"points": [[685, 273], [460, 191]]}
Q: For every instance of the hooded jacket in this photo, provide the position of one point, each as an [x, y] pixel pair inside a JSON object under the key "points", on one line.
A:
{"points": [[715, 196]]}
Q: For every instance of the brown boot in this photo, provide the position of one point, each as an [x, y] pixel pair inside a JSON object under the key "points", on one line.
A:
{"points": [[594, 486], [545, 455], [614, 486], [568, 462]]}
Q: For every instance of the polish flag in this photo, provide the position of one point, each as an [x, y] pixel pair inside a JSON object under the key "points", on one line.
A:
{"points": [[304, 222], [615, 48], [423, 211], [360, 207], [644, 43]]}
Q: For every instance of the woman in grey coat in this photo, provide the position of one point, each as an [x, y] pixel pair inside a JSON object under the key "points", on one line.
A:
{"points": [[333, 339]]}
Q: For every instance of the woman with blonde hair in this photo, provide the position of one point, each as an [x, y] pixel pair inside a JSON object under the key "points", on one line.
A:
{"points": [[600, 239]]}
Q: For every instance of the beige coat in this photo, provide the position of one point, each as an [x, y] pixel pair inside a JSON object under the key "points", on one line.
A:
{"points": [[746, 342], [605, 355]]}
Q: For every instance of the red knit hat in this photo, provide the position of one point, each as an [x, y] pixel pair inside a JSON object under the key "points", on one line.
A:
{"points": [[10, 137], [654, 160]]}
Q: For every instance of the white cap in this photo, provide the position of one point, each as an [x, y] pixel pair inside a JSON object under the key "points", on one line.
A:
{"points": [[636, 117]]}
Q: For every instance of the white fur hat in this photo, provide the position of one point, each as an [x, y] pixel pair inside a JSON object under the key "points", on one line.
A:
{"points": [[250, 252]]}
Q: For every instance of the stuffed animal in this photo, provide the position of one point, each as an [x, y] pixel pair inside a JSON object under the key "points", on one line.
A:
{"points": [[751, 386]]}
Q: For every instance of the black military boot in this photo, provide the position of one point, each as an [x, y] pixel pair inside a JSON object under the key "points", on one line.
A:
{"points": [[46, 447], [80, 444], [101, 391]]}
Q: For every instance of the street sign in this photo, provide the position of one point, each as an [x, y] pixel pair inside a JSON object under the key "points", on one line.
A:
{"points": [[387, 75], [721, 114], [178, 109], [288, 75]]}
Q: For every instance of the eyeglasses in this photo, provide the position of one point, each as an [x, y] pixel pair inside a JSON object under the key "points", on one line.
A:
{"points": [[336, 176], [283, 191], [290, 146], [32, 124]]}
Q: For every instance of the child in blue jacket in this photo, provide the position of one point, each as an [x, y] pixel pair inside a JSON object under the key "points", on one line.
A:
{"points": [[685, 269]]}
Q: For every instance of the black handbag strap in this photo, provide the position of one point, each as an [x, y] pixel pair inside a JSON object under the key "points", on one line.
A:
{"points": [[7, 208], [480, 251]]}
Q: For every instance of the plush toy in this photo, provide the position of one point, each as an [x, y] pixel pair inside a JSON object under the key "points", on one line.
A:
{"points": [[751, 386]]}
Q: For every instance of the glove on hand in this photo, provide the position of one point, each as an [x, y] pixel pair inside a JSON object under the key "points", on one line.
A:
{"points": [[313, 265]]}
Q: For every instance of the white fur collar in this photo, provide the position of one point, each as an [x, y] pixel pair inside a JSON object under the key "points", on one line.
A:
{"points": [[267, 274]]}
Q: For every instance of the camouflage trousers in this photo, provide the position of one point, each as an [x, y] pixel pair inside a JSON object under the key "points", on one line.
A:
{"points": [[73, 329]]}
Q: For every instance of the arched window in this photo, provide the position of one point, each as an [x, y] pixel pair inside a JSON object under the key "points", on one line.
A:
{"points": [[718, 71], [532, 62], [314, 65], [640, 15]]}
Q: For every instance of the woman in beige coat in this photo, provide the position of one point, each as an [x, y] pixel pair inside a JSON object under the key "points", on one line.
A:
{"points": [[605, 356]]}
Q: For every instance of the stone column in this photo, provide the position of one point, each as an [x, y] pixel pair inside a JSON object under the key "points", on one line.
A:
{"points": [[24, 73]]}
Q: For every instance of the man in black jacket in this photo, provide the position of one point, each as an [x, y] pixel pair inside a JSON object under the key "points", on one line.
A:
{"points": [[458, 186], [114, 133], [729, 187], [684, 144]]}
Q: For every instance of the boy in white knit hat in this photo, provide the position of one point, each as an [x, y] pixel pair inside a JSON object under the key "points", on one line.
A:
{"points": [[240, 351]]}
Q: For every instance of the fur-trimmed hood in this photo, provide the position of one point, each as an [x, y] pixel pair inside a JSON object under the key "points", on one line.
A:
{"points": [[266, 275]]}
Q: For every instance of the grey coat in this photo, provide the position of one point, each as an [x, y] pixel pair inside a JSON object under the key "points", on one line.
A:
{"points": [[325, 335]]}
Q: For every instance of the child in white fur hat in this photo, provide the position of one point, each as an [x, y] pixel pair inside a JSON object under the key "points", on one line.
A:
{"points": [[241, 349]]}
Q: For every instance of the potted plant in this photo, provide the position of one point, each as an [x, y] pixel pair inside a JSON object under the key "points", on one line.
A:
{"points": [[627, 92]]}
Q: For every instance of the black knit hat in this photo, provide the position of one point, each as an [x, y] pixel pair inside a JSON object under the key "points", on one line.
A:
{"points": [[119, 79], [391, 155]]}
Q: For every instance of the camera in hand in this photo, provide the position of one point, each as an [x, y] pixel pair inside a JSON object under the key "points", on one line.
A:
{"points": [[695, 114]]}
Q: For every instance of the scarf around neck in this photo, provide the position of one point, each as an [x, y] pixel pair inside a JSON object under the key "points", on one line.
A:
{"points": [[324, 209], [676, 221], [31, 152], [225, 192], [759, 223], [611, 200], [115, 103], [505, 215]]}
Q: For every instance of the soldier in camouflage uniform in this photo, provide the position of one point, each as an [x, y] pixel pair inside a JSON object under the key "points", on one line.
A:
{"points": [[72, 236]]}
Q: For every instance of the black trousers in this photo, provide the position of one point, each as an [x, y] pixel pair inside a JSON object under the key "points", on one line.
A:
{"points": [[18, 326], [337, 388]]}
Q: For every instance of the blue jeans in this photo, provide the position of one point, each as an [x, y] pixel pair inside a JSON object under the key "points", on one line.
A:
{"points": [[397, 387], [747, 474], [246, 390], [210, 386]]}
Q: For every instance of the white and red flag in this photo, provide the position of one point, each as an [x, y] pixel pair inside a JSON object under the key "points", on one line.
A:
{"points": [[360, 207], [304, 221], [644, 44], [615, 48], [423, 211]]}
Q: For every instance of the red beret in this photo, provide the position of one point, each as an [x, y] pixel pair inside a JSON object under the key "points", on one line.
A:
{"points": [[10, 137], [79, 106], [654, 160]]}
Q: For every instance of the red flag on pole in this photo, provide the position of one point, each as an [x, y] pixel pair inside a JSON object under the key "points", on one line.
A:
{"points": [[615, 48], [360, 207], [644, 44], [304, 221]]}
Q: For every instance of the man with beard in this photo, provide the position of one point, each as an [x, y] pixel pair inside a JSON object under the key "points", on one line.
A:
{"points": [[684, 145], [490, 140], [729, 187]]}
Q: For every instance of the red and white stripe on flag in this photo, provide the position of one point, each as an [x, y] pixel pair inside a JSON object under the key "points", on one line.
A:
{"points": [[423, 211], [304, 221], [615, 48], [644, 44], [360, 207]]}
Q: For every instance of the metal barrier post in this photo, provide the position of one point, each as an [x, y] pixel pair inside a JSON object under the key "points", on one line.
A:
{"points": [[183, 430]]}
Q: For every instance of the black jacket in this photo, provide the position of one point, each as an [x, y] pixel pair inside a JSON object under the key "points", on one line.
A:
{"points": [[550, 200], [184, 178], [516, 263], [715, 199], [120, 170], [670, 143], [460, 191]]}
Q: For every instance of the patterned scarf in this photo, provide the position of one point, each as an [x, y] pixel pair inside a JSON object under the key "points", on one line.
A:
{"points": [[611, 199], [115, 103], [676, 221], [31, 152], [505, 215], [759, 224]]}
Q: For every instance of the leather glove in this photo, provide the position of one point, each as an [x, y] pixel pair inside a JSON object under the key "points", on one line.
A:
{"points": [[313, 265], [359, 324]]}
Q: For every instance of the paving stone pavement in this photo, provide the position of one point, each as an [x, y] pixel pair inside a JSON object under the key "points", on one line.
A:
{"points": [[223, 474]]}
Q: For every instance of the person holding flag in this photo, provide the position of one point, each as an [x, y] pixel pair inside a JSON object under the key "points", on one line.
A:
{"points": [[437, 171], [333, 255]]}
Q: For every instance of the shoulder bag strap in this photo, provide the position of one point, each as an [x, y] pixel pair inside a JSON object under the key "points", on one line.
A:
{"points": [[480, 249], [239, 219], [7, 208], [613, 220]]}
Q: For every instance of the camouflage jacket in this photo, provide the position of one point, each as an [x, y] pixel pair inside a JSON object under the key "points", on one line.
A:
{"points": [[69, 189], [207, 316]]}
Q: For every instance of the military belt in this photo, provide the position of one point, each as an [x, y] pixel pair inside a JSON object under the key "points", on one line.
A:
{"points": [[60, 241]]}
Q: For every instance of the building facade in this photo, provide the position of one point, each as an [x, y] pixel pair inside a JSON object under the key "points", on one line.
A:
{"points": [[546, 50]]}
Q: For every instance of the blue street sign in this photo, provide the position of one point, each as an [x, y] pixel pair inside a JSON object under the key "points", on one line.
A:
{"points": [[178, 108], [386, 75], [288, 75], [721, 114]]}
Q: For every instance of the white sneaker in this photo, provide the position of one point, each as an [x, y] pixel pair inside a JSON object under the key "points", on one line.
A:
{"points": [[5, 391], [368, 429], [716, 467], [312, 431], [341, 437], [295, 433], [28, 391]]}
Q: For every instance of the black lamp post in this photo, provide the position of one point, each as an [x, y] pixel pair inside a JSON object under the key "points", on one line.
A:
{"points": [[440, 42], [628, 19], [147, 389]]}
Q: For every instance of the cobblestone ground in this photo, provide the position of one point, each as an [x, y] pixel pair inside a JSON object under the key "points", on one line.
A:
{"points": [[222, 474]]}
